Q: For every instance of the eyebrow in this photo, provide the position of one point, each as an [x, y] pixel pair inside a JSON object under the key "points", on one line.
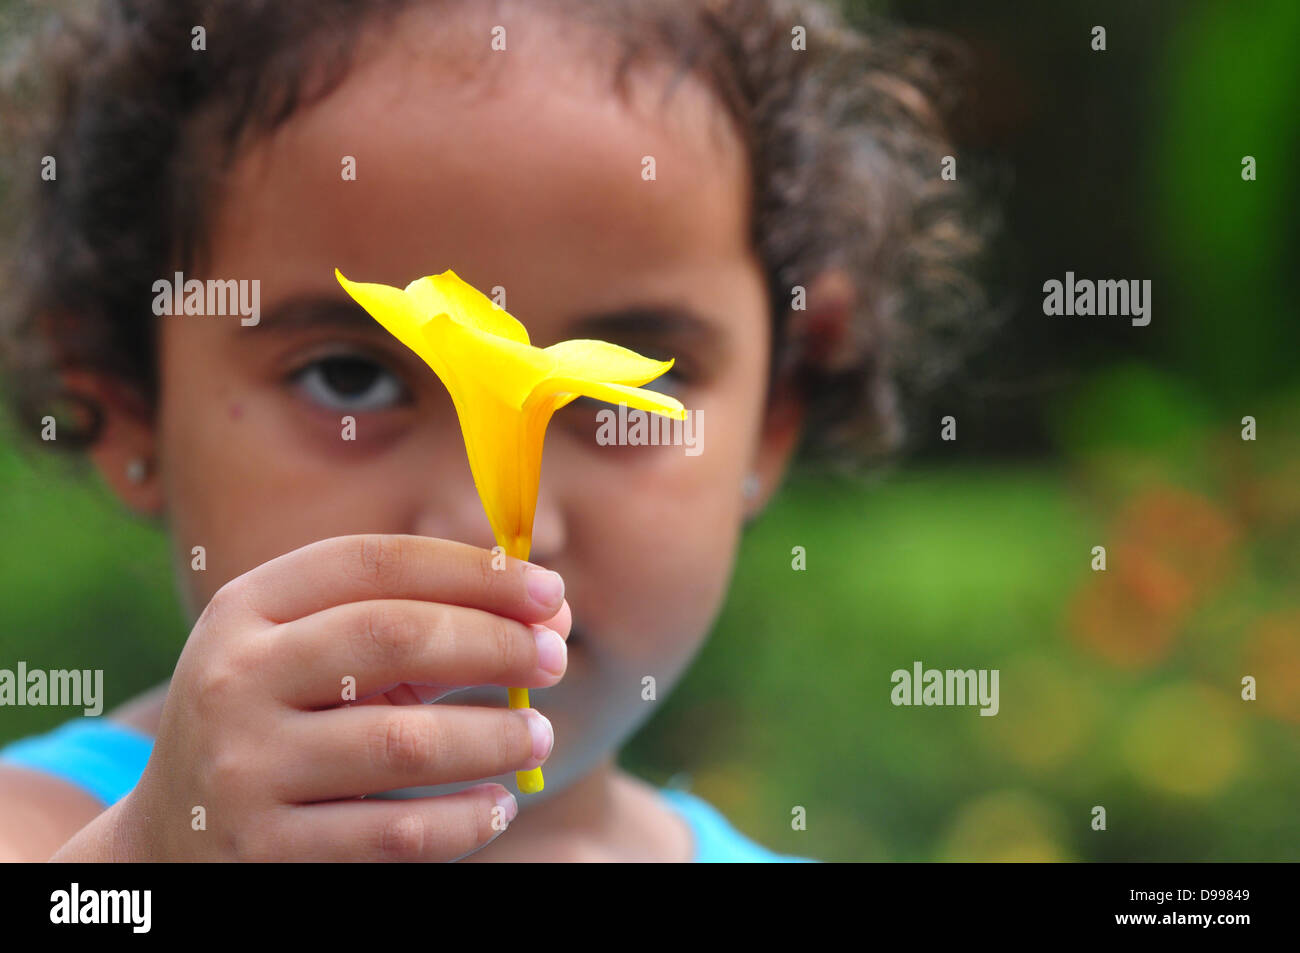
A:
{"points": [[641, 322], [655, 322], [311, 311]]}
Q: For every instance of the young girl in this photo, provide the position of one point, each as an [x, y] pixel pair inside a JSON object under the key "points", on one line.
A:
{"points": [[744, 186]]}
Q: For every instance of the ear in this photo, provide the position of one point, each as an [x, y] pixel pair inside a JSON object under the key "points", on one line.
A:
{"points": [[817, 334], [125, 451], [782, 426]]}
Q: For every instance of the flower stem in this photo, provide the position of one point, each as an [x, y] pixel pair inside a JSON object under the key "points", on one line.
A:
{"points": [[531, 781]]}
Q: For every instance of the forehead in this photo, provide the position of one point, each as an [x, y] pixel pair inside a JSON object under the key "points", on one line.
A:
{"points": [[519, 167]]}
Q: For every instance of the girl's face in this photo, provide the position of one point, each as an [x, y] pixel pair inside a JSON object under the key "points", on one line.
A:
{"points": [[533, 182]]}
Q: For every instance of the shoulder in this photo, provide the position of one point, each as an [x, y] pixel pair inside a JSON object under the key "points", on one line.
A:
{"points": [[101, 756], [51, 786], [39, 813], [716, 840]]}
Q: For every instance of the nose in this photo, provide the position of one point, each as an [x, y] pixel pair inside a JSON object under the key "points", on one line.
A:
{"points": [[455, 512], [549, 528], [456, 515]]}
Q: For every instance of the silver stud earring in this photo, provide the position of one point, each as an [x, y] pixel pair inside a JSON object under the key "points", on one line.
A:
{"points": [[751, 486], [136, 469]]}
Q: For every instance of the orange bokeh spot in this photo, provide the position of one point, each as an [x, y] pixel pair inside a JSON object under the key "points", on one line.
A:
{"points": [[1130, 617], [1193, 535], [1272, 656], [1169, 547]]}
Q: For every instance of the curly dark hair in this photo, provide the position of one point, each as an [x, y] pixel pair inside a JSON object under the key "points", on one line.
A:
{"points": [[845, 139]]}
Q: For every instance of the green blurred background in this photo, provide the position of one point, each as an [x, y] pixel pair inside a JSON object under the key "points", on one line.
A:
{"points": [[1120, 689]]}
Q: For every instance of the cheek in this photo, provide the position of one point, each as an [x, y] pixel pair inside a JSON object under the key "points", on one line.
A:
{"points": [[659, 570], [237, 476], [657, 531], [693, 550]]}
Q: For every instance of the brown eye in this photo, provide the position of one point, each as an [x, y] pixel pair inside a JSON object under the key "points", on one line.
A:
{"points": [[349, 382]]}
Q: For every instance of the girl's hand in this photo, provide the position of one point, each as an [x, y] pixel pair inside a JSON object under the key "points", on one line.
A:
{"points": [[257, 730]]}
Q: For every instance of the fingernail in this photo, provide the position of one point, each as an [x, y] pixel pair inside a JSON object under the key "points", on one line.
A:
{"points": [[543, 737], [509, 806], [546, 588], [551, 652]]}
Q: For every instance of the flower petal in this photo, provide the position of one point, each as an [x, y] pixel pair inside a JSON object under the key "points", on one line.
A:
{"points": [[485, 362], [391, 307], [637, 397], [602, 361], [447, 293]]}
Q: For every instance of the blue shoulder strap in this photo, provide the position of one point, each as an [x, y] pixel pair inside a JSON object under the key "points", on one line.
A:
{"points": [[716, 841], [106, 758]]}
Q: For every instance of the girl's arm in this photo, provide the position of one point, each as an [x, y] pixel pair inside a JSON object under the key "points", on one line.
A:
{"points": [[40, 813]]}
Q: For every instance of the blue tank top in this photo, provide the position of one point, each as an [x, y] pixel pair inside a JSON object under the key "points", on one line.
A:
{"points": [[106, 759]]}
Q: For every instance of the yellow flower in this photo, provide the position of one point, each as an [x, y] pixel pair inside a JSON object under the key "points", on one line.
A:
{"points": [[505, 391]]}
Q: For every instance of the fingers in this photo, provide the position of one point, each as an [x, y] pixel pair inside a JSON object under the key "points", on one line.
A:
{"points": [[366, 749], [369, 647], [443, 828], [357, 568], [562, 621]]}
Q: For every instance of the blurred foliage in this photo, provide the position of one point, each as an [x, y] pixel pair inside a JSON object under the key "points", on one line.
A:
{"points": [[81, 586], [1120, 689]]}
